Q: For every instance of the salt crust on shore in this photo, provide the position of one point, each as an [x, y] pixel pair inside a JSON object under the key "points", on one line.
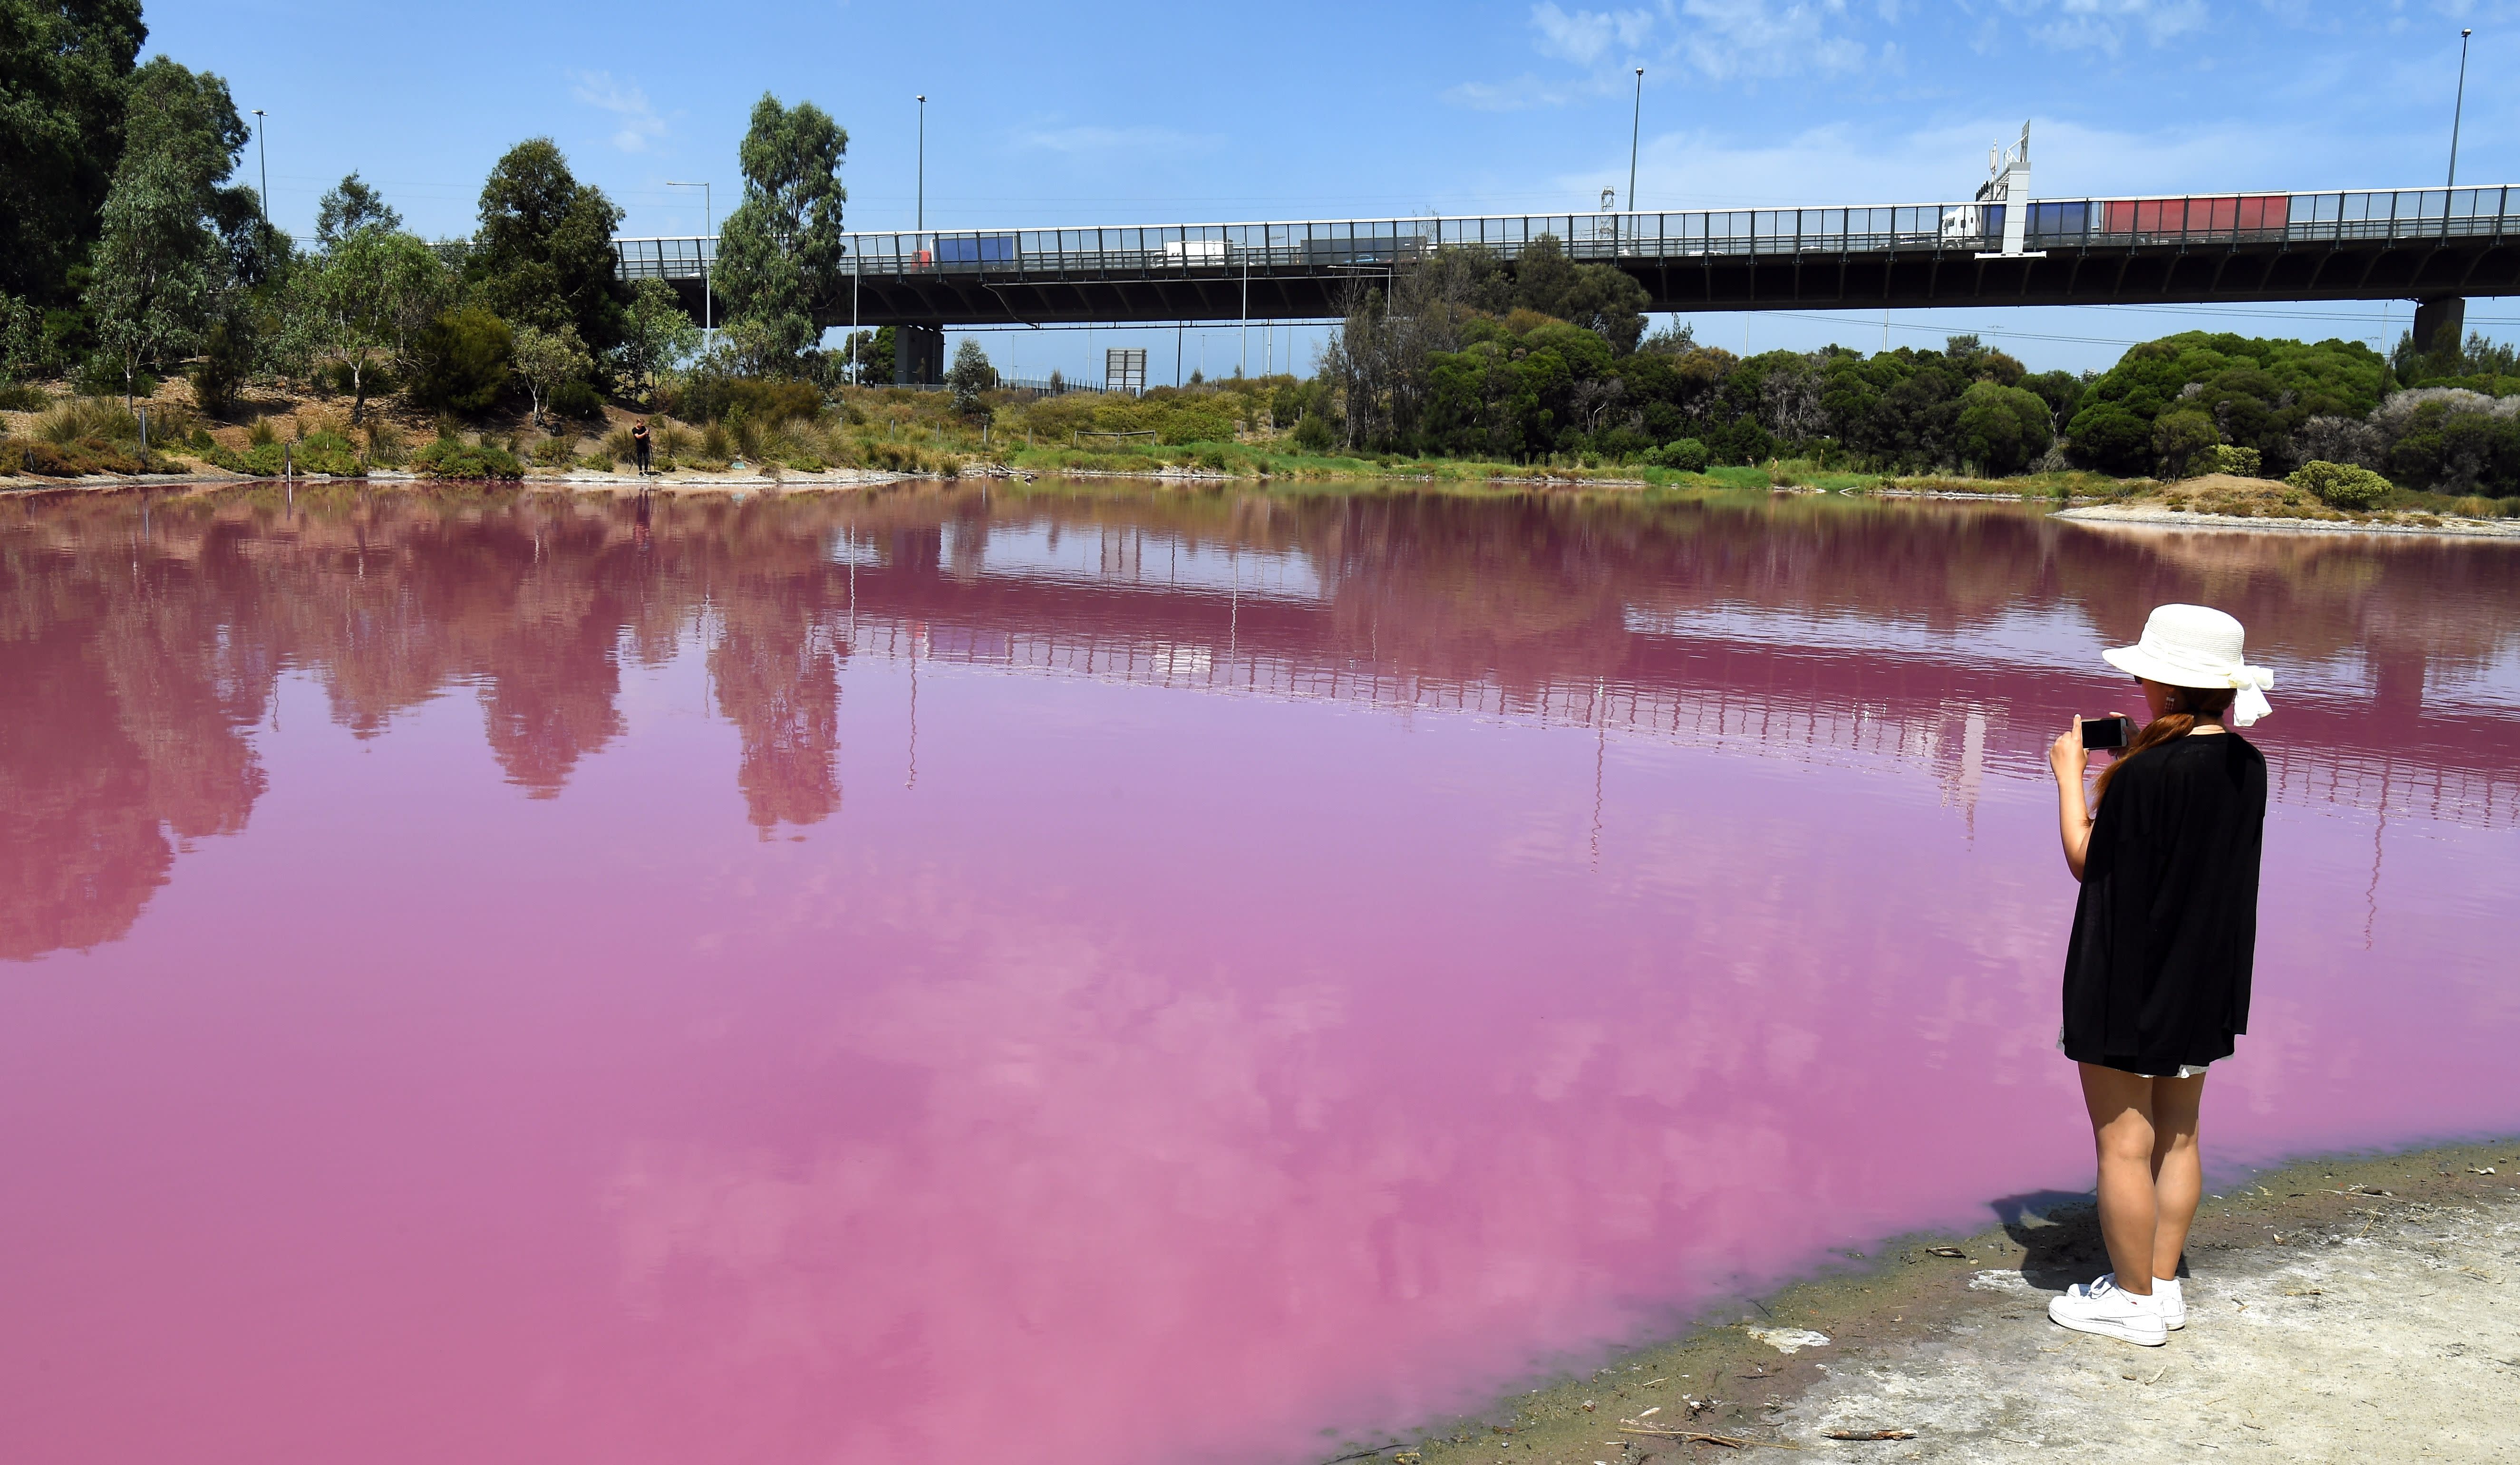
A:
{"points": [[2398, 1343], [2124, 513]]}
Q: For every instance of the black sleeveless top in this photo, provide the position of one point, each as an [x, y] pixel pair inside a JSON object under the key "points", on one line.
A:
{"points": [[2165, 933]]}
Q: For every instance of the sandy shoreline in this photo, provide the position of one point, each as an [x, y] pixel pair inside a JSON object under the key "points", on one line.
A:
{"points": [[2347, 1308], [2147, 514]]}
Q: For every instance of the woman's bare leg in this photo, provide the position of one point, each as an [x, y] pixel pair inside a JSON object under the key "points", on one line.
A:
{"points": [[2122, 1134], [2177, 1176]]}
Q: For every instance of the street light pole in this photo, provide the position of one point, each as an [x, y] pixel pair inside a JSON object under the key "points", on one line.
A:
{"points": [[266, 160], [1635, 129], [921, 225], [2458, 106], [709, 236]]}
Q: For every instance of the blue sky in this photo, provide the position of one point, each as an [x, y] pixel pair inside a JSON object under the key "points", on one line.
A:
{"points": [[1130, 113]]}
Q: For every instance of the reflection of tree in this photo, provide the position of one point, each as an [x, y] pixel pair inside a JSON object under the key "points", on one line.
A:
{"points": [[139, 642], [778, 681]]}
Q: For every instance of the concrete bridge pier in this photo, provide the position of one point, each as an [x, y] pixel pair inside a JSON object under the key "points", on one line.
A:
{"points": [[2438, 314], [917, 355]]}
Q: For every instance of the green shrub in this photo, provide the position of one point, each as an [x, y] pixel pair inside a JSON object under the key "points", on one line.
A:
{"points": [[2227, 458], [326, 453], [575, 401], [708, 397], [21, 396], [72, 460], [460, 360], [1312, 434], [2342, 485], [556, 451], [1687, 455], [453, 458]]}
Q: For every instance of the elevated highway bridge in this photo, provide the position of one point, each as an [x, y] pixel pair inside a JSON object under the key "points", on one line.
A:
{"points": [[2435, 245]]}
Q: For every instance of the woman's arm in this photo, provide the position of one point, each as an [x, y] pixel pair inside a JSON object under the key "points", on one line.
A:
{"points": [[2073, 810]]}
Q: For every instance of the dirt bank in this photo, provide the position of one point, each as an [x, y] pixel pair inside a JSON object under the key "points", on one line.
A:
{"points": [[2352, 1309]]}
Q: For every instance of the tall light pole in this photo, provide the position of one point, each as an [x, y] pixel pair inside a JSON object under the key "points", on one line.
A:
{"points": [[708, 227], [921, 225], [266, 160], [1635, 129], [2458, 107]]}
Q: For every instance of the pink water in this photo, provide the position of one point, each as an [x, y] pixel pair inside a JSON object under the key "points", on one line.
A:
{"points": [[1103, 977]]}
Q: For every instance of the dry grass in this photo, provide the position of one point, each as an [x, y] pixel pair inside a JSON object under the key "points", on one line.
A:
{"points": [[2236, 497]]}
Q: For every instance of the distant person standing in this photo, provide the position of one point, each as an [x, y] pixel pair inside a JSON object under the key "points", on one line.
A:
{"points": [[639, 444], [2165, 933]]}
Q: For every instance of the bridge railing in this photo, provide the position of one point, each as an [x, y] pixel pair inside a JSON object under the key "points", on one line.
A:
{"points": [[1374, 246]]}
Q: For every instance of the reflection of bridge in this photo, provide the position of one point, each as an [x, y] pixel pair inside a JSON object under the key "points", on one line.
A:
{"points": [[2386, 245], [1726, 679]]}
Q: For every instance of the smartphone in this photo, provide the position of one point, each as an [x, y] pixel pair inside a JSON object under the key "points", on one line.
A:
{"points": [[2100, 733]]}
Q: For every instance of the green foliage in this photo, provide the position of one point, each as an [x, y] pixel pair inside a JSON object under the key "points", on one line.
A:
{"points": [[547, 359], [161, 264], [349, 207], [543, 253], [2341, 485], [2002, 428], [1687, 455], [225, 360], [1314, 433], [364, 304], [971, 375], [2227, 458], [2451, 440], [460, 360], [780, 252], [453, 458], [708, 397], [320, 451], [2179, 436], [72, 460], [2252, 393], [64, 71], [21, 339], [657, 335]]}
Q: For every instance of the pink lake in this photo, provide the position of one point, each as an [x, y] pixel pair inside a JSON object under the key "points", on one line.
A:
{"points": [[1103, 977]]}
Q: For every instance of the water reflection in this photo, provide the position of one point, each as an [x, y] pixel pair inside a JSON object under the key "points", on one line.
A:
{"points": [[1133, 975], [144, 640]]}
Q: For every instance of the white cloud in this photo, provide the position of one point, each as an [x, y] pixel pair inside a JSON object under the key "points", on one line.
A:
{"points": [[2104, 24], [1582, 37], [1081, 140], [637, 123], [1764, 39]]}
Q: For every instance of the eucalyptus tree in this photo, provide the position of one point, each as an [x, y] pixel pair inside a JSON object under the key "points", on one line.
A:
{"points": [[64, 71], [543, 255], [657, 335], [348, 208], [548, 360], [166, 257], [363, 303], [781, 253]]}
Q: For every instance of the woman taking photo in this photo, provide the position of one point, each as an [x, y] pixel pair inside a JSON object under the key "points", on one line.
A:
{"points": [[2157, 972]]}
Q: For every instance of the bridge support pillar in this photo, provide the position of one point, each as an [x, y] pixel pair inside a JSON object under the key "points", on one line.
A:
{"points": [[917, 355], [2436, 315]]}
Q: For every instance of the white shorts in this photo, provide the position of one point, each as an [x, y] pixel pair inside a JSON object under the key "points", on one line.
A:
{"points": [[2186, 1070]]}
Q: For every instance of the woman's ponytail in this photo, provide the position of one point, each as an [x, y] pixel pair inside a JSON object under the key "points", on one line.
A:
{"points": [[2188, 705]]}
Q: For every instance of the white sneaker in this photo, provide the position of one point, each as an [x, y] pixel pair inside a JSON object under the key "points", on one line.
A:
{"points": [[2174, 1306], [2101, 1308]]}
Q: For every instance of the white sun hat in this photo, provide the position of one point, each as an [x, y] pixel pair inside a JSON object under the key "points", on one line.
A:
{"points": [[2197, 646]]}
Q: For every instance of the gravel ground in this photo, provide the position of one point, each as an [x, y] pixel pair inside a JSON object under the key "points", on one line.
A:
{"points": [[2353, 1308], [2397, 1344]]}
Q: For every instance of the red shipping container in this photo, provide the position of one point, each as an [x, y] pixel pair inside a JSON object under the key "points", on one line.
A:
{"points": [[2252, 211]]}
